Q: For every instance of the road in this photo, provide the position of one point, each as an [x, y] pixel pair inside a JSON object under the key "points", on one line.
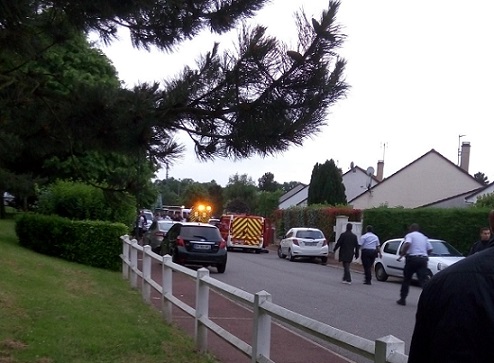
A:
{"points": [[316, 291]]}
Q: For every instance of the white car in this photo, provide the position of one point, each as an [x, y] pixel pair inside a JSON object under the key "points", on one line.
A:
{"points": [[304, 242], [442, 256]]}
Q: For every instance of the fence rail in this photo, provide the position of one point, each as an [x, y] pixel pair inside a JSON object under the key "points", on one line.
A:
{"points": [[388, 349]]}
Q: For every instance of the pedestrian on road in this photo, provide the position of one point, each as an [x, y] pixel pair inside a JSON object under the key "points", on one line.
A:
{"points": [[348, 245], [455, 313], [416, 250], [369, 250], [483, 242]]}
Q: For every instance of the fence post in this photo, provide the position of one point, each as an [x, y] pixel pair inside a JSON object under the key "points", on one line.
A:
{"points": [[202, 310], [146, 274], [133, 264], [262, 327], [166, 288], [386, 345], [126, 257]]}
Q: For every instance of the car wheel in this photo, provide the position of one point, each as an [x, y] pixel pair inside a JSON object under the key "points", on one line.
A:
{"points": [[290, 256], [258, 251], [221, 267], [280, 254], [381, 274], [324, 260]]}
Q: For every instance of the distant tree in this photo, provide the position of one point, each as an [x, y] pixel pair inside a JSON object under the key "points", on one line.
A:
{"points": [[481, 177], [216, 198], [195, 193], [485, 201], [241, 188], [287, 186], [267, 183], [268, 203], [237, 205], [326, 185]]}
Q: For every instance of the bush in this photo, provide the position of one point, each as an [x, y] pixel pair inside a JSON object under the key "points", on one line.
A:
{"points": [[93, 243], [75, 200]]}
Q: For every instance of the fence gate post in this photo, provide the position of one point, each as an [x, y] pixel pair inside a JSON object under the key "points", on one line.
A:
{"points": [[166, 288], [133, 264], [261, 345], [202, 310], [146, 274], [386, 345], [126, 257]]}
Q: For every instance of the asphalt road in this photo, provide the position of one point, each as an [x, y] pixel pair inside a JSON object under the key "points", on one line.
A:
{"points": [[316, 291]]}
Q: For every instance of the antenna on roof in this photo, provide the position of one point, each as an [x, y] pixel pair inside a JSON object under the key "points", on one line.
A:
{"points": [[459, 147], [384, 145]]}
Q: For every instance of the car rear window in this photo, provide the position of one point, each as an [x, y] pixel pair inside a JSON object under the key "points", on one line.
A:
{"points": [[310, 234], [207, 233]]}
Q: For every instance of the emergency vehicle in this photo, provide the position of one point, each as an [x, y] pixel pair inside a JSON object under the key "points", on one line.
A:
{"points": [[246, 232], [200, 213]]}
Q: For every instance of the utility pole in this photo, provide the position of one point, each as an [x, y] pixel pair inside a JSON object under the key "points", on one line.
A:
{"points": [[459, 147]]}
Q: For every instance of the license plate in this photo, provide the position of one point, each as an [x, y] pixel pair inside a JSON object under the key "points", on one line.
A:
{"points": [[202, 247], [311, 244]]}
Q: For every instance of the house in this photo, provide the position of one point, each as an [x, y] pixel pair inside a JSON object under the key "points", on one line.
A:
{"points": [[472, 198], [355, 180], [430, 180]]}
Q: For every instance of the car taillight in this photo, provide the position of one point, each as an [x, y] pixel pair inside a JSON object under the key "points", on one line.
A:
{"points": [[295, 242], [222, 244], [324, 243], [180, 241]]}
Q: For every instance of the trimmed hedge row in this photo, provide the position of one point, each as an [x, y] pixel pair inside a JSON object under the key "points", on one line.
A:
{"points": [[92, 243], [458, 226]]}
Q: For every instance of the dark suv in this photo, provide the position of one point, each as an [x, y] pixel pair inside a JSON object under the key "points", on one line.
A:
{"points": [[192, 243]]}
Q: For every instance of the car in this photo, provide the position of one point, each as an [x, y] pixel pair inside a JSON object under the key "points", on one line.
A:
{"points": [[156, 233], [304, 242], [443, 255], [195, 243], [149, 218]]}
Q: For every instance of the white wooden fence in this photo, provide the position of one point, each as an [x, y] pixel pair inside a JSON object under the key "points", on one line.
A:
{"points": [[387, 349]]}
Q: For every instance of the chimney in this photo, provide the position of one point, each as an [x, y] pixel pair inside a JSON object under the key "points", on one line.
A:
{"points": [[465, 155], [380, 170]]}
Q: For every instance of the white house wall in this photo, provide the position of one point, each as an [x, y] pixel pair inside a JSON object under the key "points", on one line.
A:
{"points": [[488, 190], [428, 179], [356, 183]]}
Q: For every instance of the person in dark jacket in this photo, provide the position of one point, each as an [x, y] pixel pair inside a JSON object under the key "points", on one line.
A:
{"points": [[455, 313], [349, 247], [483, 242]]}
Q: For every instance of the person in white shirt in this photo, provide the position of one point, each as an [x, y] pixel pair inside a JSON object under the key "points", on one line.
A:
{"points": [[369, 247], [416, 249]]}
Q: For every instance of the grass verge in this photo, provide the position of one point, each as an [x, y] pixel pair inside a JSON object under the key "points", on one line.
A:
{"points": [[53, 311]]}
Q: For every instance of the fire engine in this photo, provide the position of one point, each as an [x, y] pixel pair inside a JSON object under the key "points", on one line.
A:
{"points": [[246, 232], [200, 213]]}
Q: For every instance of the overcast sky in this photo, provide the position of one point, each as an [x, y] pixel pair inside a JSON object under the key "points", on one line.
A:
{"points": [[421, 74]]}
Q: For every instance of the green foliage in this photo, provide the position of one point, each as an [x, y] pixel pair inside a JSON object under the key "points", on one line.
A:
{"points": [[91, 243], [458, 226], [268, 203], [241, 194], [485, 201], [326, 185], [266, 183], [75, 200], [195, 193]]}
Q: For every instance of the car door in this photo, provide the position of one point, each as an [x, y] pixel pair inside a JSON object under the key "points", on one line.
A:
{"points": [[169, 242], [285, 242], [390, 255]]}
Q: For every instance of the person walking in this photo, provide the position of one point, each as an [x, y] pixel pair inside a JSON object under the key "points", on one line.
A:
{"points": [[482, 243], [416, 250], [348, 245], [455, 312], [369, 250]]}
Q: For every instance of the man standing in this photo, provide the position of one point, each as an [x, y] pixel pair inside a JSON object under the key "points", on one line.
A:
{"points": [[455, 313], [416, 249], [348, 245], [485, 236], [369, 247]]}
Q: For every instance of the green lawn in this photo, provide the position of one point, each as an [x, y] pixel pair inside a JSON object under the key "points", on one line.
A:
{"points": [[55, 311]]}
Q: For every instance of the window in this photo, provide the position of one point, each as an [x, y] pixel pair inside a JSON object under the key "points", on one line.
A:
{"points": [[310, 234], [392, 247], [194, 232]]}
